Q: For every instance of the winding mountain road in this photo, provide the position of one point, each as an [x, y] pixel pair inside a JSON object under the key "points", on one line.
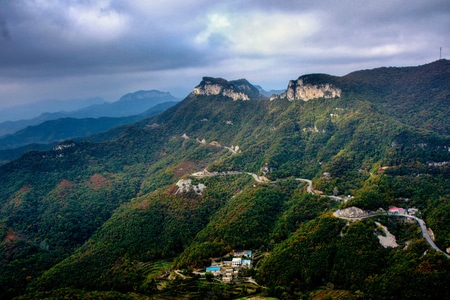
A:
{"points": [[425, 233], [262, 179], [309, 182], [206, 173], [422, 224]]}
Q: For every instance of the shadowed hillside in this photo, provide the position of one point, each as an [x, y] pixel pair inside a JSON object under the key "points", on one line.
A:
{"points": [[100, 217]]}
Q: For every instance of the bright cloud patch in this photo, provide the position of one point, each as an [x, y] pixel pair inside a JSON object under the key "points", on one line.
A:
{"points": [[217, 25], [58, 48], [97, 21], [260, 33], [74, 20]]}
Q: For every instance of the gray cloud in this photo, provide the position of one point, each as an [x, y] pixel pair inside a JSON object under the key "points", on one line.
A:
{"points": [[4, 32], [64, 49]]}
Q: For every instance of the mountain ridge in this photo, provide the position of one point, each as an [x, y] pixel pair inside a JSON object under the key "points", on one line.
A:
{"points": [[33, 110], [130, 104], [71, 128], [107, 211], [239, 89]]}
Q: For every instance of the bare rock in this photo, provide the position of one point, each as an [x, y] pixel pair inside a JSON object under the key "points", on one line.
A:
{"points": [[351, 213], [298, 90], [237, 89]]}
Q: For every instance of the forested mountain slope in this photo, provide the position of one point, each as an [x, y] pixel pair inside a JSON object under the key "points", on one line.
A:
{"points": [[92, 218], [52, 132]]}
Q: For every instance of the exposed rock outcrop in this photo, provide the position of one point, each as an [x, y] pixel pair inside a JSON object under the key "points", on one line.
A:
{"points": [[387, 239], [237, 89], [351, 213], [185, 185], [300, 90], [63, 146]]}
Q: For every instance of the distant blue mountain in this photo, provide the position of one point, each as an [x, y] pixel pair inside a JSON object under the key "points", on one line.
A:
{"points": [[33, 110], [46, 135], [268, 93], [128, 105]]}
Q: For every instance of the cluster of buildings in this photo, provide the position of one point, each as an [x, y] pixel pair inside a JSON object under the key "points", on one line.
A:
{"points": [[399, 210], [228, 268]]}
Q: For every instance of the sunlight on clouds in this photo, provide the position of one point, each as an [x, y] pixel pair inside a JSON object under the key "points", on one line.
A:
{"points": [[97, 21], [386, 50], [260, 33], [75, 20], [217, 24], [164, 7], [369, 51], [274, 34]]}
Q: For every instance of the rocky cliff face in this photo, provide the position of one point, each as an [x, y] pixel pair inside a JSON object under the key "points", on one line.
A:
{"points": [[237, 90], [300, 90]]}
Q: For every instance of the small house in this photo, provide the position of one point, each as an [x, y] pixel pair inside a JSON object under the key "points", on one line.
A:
{"points": [[239, 253], [396, 210], [213, 269], [247, 263], [227, 263], [236, 262]]}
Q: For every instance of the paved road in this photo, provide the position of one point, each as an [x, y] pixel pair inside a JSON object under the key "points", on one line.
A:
{"points": [[425, 234], [260, 179], [310, 190], [206, 173], [421, 223]]}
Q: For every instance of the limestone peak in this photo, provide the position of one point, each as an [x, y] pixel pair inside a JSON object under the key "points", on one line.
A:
{"points": [[239, 89], [303, 89]]}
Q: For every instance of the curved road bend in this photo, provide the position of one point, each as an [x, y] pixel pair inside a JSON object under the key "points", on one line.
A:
{"points": [[423, 226], [310, 190], [425, 234], [309, 182]]}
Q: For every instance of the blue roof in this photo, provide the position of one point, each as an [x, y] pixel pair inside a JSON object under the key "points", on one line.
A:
{"points": [[212, 269]]}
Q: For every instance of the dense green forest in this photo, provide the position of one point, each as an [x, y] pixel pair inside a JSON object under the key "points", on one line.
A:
{"points": [[50, 133], [104, 218]]}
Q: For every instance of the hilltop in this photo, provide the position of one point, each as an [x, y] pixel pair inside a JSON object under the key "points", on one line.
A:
{"points": [[116, 215]]}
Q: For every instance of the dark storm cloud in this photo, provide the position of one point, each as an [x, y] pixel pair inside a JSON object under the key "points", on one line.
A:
{"points": [[92, 40], [75, 48], [4, 31]]}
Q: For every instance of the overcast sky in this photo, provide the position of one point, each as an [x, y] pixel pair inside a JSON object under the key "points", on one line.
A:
{"points": [[64, 49]]}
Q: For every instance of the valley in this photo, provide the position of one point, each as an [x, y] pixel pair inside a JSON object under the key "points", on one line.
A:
{"points": [[140, 211]]}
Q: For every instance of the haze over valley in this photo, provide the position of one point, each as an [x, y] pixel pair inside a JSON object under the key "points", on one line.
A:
{"points": [[315, 185], [224, 150]]}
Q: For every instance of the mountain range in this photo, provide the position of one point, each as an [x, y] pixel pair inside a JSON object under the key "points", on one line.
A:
{"points": [[139, 212], [33, 110], [49, 133], [48, 129], [128, 105]]}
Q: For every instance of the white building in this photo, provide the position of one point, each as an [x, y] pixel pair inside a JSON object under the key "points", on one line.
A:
{"points": [[236, 262]]}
